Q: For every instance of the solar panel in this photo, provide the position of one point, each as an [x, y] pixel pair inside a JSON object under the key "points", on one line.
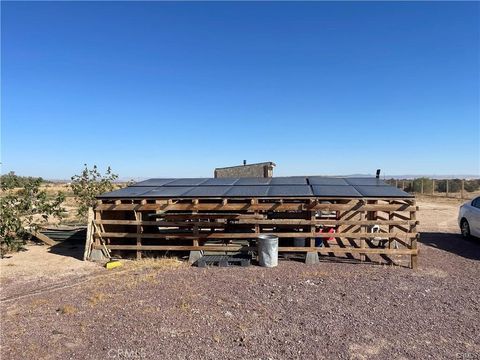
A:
{"points": [[220, 181], [294, 186], [128, 192], [335, 191], [187, 182], [247, 191], [168, 191], [294, 180], [207, 191], [322, 180], [290, 190], [253, 181], [153, 182], [381, 191], [364, 181]]}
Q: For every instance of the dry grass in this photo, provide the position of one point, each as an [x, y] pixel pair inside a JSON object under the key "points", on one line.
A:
{"points": [[157, 263], [96, 298], [67, 309]]}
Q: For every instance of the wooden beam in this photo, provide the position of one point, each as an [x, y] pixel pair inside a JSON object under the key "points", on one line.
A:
{"points": [[320, 250], [220, 235], [259, 222], [42, 237], [254, 207]]}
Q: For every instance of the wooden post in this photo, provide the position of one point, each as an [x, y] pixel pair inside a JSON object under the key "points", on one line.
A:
{"points": [[447, 189], [403, 185], [364, 216], [390, 230], [463, 188], [413, 259], [433, 187], [138, 219], [396, 183], [312, 256], [89, 240], [421, 187]]}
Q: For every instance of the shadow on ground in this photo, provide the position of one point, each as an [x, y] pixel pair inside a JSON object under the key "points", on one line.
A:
{"points": [[453, 243], [72, 246]]}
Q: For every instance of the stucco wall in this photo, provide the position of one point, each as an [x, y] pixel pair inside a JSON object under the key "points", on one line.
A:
{"points": [[254, 170]]}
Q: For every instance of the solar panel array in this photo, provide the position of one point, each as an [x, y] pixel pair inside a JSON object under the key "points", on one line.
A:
{"points": [[298, 186]]}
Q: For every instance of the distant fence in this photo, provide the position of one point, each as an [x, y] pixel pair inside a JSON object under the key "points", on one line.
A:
{"points": [[452, 188]]}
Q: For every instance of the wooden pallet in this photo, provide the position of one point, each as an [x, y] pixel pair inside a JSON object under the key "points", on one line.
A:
{"points": [[224, 260]]}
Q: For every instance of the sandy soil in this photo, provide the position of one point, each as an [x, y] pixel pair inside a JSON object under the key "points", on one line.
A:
{"points": [[329, 310]]}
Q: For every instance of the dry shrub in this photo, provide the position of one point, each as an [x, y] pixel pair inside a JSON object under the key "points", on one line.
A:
{"points": [[184, 305], [67, 309], [96, 298]]}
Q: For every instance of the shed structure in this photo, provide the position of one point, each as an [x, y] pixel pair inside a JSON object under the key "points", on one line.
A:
{"points": [[357, 219]]}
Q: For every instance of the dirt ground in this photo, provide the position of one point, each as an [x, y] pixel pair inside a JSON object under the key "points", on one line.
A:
{"points": [[55, 306]]}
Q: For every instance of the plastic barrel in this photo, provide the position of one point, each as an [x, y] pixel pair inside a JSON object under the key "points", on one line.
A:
{"points": [[268, 250]]}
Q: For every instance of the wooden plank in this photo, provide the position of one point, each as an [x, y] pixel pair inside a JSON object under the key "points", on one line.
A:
{"points": [[292, 222], [177, 247], [89, 239], [320, 250], [42, 237], [253, 235], [254, 207]]}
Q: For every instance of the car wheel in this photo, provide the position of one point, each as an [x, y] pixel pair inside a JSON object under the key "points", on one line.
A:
{"points": [[465, 228]]}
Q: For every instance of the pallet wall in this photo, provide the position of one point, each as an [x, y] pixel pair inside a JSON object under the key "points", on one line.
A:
{"points": [[382, 230]]}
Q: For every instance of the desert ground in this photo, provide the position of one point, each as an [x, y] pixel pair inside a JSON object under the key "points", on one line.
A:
{"points": [[55, 306]]}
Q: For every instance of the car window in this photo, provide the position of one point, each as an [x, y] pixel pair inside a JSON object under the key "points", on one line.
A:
{"points": [[476, 202]]}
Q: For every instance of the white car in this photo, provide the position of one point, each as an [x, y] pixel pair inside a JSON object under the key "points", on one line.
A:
{"points": [[469, 218]]}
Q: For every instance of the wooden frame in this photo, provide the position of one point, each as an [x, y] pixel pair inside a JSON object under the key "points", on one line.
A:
{"points": [[230, 224]]}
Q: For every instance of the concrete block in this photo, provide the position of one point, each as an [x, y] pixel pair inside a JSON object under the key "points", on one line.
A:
{"points": [[311, 258], [194, 256]]}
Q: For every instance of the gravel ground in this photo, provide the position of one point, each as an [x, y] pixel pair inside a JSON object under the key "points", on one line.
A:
{"points": [[329, 310]]}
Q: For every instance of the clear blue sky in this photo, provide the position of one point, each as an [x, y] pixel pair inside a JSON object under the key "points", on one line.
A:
{"points": [[176, 89]]}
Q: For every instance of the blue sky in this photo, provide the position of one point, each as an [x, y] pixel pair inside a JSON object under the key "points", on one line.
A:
{"points": [[176, 89]]}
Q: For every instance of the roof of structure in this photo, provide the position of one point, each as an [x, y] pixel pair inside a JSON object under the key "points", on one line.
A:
{"points": [[297, 186]]}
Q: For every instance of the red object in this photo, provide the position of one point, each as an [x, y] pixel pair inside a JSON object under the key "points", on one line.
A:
{"points": [[330, 231]]}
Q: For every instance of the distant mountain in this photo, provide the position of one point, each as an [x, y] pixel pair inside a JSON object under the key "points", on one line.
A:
{"points": [[382, 176], [439, 177]]}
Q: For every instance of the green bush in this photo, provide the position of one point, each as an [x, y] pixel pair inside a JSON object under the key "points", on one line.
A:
{"points": [[88, 185], [24, 207]]}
